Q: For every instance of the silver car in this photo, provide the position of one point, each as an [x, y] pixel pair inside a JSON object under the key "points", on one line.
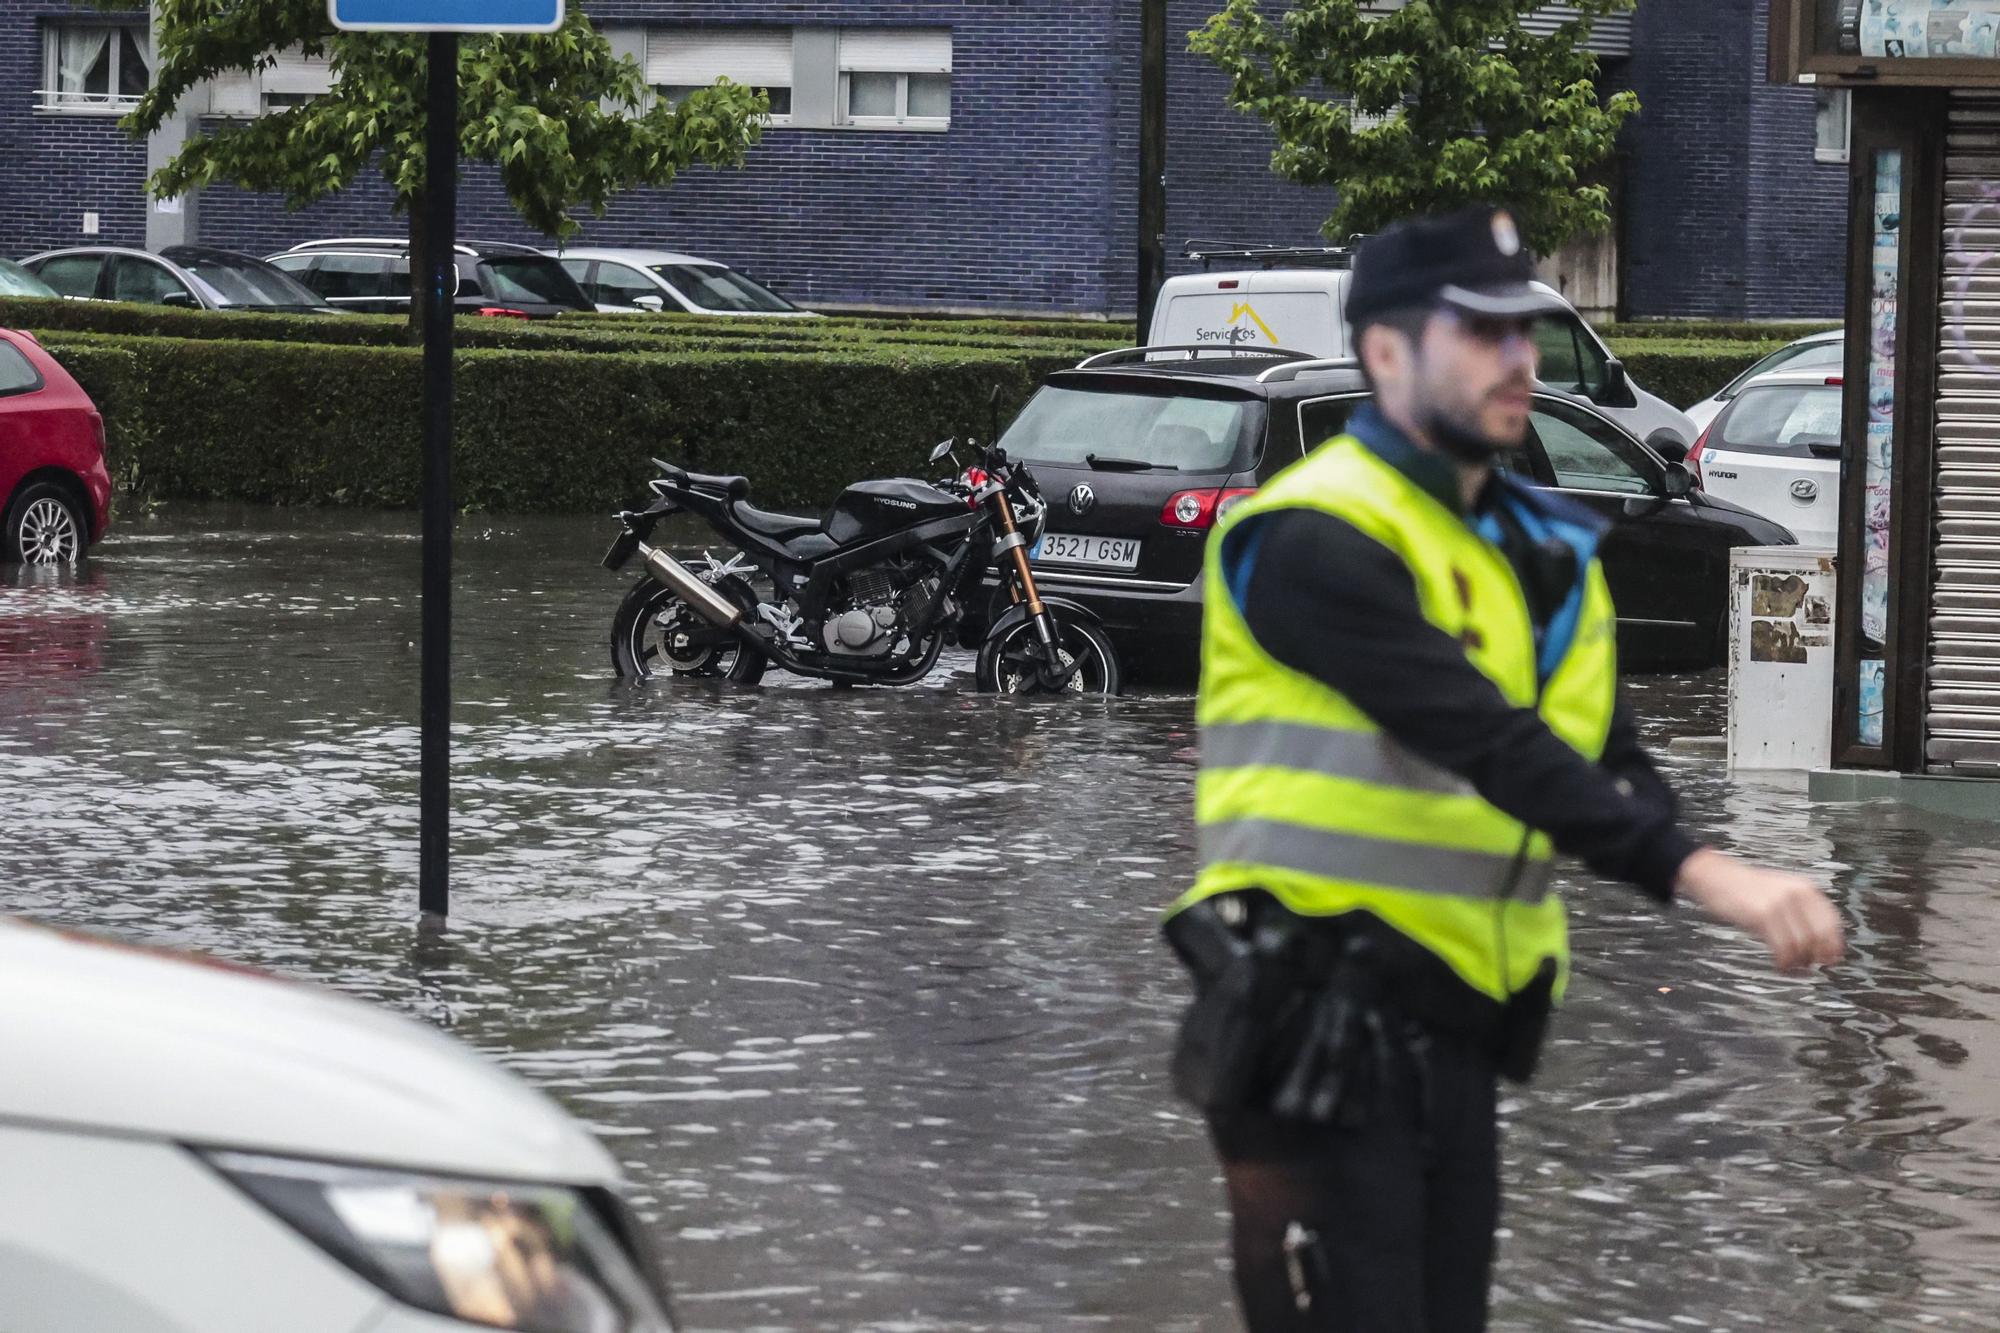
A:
{"points": [[632, 281]]}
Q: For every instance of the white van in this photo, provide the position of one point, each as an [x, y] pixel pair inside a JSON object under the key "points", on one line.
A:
{"points": [[1299, 309]]}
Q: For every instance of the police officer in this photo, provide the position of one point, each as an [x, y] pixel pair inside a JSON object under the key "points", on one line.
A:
{"points": [[1409, 702]]}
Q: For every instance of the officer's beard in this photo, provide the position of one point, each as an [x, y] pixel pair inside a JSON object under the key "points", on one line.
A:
{"points": [[1457, 431]]}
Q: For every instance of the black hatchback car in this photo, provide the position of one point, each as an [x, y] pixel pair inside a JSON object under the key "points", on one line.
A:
{"points": [[372, 275], [1139, 452]]}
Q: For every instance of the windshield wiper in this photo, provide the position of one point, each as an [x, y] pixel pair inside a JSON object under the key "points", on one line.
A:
{"points": [[1103, 464]]}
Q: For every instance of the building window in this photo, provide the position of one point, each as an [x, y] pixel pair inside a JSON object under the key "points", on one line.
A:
{"points": [[681, 60], [893, 77], [1835, 123], [293, 78], [95, 67]]}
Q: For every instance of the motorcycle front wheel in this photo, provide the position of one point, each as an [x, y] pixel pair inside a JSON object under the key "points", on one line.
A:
{"points": [[655, 633], [1011, 661]]}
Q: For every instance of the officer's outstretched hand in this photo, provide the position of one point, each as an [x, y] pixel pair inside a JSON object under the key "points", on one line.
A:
{"points": [[1788, 912]]}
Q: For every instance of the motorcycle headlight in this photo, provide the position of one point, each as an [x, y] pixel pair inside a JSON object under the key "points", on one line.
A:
{"points": [[532, 1257], [1032, 517]]}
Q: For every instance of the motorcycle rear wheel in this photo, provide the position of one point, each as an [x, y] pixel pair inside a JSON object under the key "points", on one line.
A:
{"points": [[655, 633], [1010, 660]]}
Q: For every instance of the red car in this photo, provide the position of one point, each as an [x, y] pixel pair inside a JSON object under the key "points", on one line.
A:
{"points": [[57, 492]]}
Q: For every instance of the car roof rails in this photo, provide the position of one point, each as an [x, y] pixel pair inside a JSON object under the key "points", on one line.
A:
{"points": [[1291, 370], [1154, 355], [399, 243], [1207, 253]]}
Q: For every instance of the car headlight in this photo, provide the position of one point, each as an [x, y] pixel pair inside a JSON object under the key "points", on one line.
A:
{"points": [[532, 1257]]}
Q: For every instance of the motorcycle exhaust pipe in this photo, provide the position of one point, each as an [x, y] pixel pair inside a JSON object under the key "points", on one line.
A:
{"points": [[705, 601]]}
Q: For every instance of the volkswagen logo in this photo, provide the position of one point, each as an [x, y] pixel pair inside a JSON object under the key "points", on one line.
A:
{"points": [[1804, 490], [1082, 500]]}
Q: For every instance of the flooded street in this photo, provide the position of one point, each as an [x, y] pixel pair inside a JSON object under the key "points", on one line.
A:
{"points": [[865, 989]]}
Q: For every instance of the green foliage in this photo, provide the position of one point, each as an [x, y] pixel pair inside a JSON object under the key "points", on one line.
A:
{"points": [[587, 333], [1685, 371], [225, 419], [558, 113], [1713, 329], [1478, 109]]}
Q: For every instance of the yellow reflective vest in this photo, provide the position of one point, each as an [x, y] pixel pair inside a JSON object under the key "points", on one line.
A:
{"points": [[1302, 795]]}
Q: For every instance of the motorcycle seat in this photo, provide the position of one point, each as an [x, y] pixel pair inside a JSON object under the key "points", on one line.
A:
{"points": [[733, 487], [778, 527]]}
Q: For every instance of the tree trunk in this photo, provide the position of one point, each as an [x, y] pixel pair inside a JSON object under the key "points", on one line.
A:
{"points": [[419, 266]]}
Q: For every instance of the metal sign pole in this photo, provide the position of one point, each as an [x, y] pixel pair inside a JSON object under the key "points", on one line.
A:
{"points": [[1152, 158], [440, 232]]}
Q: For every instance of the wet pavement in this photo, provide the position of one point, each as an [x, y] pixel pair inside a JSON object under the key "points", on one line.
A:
{"points": [[863, 987]]}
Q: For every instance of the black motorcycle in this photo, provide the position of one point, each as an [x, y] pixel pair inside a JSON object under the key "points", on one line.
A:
{"points": [[867, 594]]}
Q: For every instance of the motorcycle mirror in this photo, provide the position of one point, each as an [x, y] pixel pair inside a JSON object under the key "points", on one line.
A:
{"points": [[943, 450]]}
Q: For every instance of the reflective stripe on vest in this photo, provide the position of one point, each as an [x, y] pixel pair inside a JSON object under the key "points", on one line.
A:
{"points": [[1409, 866]]}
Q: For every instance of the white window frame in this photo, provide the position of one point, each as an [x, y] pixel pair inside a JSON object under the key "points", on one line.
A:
{"points": [[1845, 100], [720, 36], [51, 98], [925, 58]]}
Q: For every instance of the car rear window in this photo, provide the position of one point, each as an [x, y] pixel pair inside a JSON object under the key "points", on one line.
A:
{"points": [[530, 278], [1174, 432], [17, 373], [713, 287], [1795, 420], [1799, 356], [247, 283]]}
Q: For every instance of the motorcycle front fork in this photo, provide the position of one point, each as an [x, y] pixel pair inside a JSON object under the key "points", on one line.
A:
{"points": [[1015, 544]]}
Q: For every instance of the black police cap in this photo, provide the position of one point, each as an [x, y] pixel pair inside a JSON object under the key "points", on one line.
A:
{"points": [[1472, 261]]}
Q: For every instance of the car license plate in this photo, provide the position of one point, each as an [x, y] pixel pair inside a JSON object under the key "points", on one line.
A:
{"points": [[1063, 548]]}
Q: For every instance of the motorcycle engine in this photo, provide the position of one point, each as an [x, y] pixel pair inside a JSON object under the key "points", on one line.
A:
{"points": [[879, 610]]}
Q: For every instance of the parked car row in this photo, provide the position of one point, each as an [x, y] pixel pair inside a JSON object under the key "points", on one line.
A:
{"points": [[371, 275]]}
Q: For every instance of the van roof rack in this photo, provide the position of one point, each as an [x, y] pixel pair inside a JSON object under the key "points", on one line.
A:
{"points": [[1157, 354], [1207, 253]]}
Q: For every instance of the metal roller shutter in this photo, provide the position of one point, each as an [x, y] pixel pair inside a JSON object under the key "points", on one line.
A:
{"points": [[1962, 718], [697, 57], [1612, 36]]}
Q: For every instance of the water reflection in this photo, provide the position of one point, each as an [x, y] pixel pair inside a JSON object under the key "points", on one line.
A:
{"points": [[862, 985]]}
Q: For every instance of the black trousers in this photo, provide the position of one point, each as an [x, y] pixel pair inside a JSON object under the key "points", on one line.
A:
{"points": [[1385, 1227]]}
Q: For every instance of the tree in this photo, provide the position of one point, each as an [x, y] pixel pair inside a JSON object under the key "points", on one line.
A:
{"points": [[1467, 106], [565, 120]]}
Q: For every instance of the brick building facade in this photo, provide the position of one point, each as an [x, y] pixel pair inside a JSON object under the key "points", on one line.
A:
{"points": [[1024, 196]]}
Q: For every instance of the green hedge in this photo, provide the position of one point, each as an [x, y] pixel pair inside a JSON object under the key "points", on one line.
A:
{"points": [[285, 423], [1712, 330], [565, 419], [1685, 371], [606, 333]]}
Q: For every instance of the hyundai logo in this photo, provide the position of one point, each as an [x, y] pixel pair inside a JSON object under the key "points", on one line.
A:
{"points": [[1082, 500], [1805, 490]]}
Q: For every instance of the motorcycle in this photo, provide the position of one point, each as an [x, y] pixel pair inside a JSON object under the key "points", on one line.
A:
{"points": [[869, 593]]}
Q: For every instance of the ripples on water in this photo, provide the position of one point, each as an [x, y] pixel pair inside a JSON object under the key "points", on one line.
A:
{"points": [[863, 987]]}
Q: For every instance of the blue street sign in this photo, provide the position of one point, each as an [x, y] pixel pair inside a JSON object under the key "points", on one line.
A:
{"points": [[447, 15]]}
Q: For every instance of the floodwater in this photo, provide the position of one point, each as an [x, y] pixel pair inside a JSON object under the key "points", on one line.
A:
{"points": [[863, 987]]}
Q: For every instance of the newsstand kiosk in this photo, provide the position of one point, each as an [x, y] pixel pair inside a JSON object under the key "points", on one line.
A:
{"points": [[1917, 630]]}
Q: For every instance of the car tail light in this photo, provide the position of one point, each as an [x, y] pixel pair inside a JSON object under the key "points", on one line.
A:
{"points": [[1835, 380], [501, 312], [1200, 509], [97, 428], [1693, 460]]}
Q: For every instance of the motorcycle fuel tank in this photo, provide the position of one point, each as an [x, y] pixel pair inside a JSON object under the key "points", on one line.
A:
{"points": [[877, 508]]}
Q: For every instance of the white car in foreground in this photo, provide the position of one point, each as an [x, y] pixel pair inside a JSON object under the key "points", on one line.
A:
{"points": [[192, 1147], [634, 281], [1775, 450]]}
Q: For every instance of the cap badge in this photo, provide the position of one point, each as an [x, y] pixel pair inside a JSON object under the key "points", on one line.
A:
{"points": [[1505, 234]]}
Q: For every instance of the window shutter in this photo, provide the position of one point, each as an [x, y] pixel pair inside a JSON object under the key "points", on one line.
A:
{"points": [[234, 94], [295, 72], [694, 57], [895, 51]]}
